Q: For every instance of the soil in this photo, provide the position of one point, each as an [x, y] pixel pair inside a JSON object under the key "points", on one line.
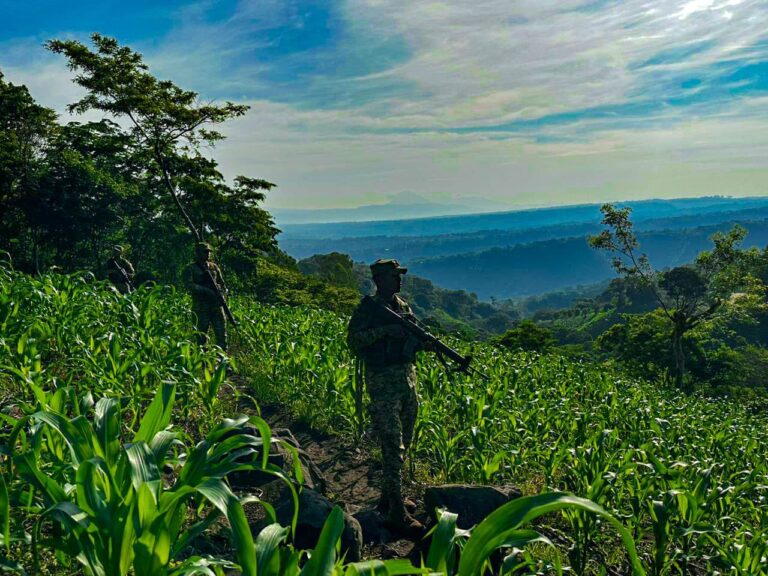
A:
{"points": [[353, 477]]}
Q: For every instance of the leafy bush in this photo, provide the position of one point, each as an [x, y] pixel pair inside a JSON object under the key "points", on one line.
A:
{"points": [[527, 336]]}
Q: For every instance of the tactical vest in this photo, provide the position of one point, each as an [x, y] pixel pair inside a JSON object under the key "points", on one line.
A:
{"points": [[387, 351], [200, 278]]}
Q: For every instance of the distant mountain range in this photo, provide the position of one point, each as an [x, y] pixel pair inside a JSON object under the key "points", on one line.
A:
{"points": [[530, 252], [540, 267], [516, 219], [408, 248], [400, 206]]}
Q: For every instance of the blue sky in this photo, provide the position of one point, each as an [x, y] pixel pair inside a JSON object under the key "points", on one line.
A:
{"points": [[489, 103]]}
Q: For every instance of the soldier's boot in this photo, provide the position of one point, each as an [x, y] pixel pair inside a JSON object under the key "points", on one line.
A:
{"points": [[399, 520]]}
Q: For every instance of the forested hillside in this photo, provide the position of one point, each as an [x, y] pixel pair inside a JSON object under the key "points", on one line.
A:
{"points": [[538, 267]]}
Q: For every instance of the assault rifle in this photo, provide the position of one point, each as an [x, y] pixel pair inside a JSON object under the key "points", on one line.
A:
{"points": [[124, 274], [222, 301], [441, 349]]}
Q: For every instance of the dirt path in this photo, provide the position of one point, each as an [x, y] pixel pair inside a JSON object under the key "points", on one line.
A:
{"points": [[351, 474], [353, 477]]}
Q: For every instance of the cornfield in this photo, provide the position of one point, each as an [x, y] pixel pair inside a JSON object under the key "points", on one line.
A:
{"points": [[113, 460]]}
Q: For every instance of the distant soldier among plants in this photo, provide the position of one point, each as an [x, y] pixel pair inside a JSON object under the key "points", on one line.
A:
{"points": [[389, 352], [120, 271], [205, 283]]}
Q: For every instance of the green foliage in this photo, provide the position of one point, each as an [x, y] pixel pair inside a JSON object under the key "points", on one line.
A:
{"points": [[641, 343], [168, 125], [502, 531], [333, 268], [527, 336], [688, 495], [274, 284], [67, 192], [546, 422], [119, 516], [69, 331], [687, 295]]}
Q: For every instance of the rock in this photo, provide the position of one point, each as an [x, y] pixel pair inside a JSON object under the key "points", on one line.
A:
{"points": [[314, 509], [282, 458], [372, 525], [313, 476], [471, 503]]}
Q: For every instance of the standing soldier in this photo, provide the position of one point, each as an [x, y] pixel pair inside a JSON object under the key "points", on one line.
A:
{"points": [[205, 283], [388, 352], [120, 271]]}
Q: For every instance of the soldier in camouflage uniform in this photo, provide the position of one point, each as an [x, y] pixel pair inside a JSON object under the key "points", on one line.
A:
{"points": [[206, 303], [388, 352], [119, 270]]}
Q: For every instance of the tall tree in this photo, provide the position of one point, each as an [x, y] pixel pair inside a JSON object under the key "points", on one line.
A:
{"points": [[26, 128], [687, 295], [170, 125]]}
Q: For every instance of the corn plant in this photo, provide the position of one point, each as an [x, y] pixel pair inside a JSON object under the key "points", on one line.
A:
{"points": [[108, 505], [547, 422], [687, 475], [503, 530]]}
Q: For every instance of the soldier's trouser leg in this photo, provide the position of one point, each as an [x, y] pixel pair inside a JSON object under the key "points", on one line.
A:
{"points": [[219, 322], [409, 409], [390, 389], [203, 322]]}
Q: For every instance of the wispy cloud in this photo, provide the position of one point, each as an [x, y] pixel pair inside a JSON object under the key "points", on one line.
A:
{"points": [[533, 101]]}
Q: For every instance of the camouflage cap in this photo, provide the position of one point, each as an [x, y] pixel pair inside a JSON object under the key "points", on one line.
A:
{"points": [[119, 248], [384, 266]]}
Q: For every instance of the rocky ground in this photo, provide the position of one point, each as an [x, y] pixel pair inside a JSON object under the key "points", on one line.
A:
{"points": [[350, 477], [340, 472]]}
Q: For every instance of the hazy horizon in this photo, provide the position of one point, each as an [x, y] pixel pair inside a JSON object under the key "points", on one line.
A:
{"points": [[301, 216]]}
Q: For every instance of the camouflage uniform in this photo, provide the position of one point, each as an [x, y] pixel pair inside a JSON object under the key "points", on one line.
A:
{"points": [[205, 300], [390, 376], [113, 270]]}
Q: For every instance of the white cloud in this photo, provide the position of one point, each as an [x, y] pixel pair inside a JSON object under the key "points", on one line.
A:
{"points": [[477, 63], [321, 165], [552, 59]]}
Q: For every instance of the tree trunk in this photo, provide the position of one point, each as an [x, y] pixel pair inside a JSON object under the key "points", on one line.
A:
{"points": [[679, 356], [36, 256]]}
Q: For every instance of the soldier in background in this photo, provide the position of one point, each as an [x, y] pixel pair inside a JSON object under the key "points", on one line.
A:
{"points": [[206, 298], [120, 271], [389, 352]]}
